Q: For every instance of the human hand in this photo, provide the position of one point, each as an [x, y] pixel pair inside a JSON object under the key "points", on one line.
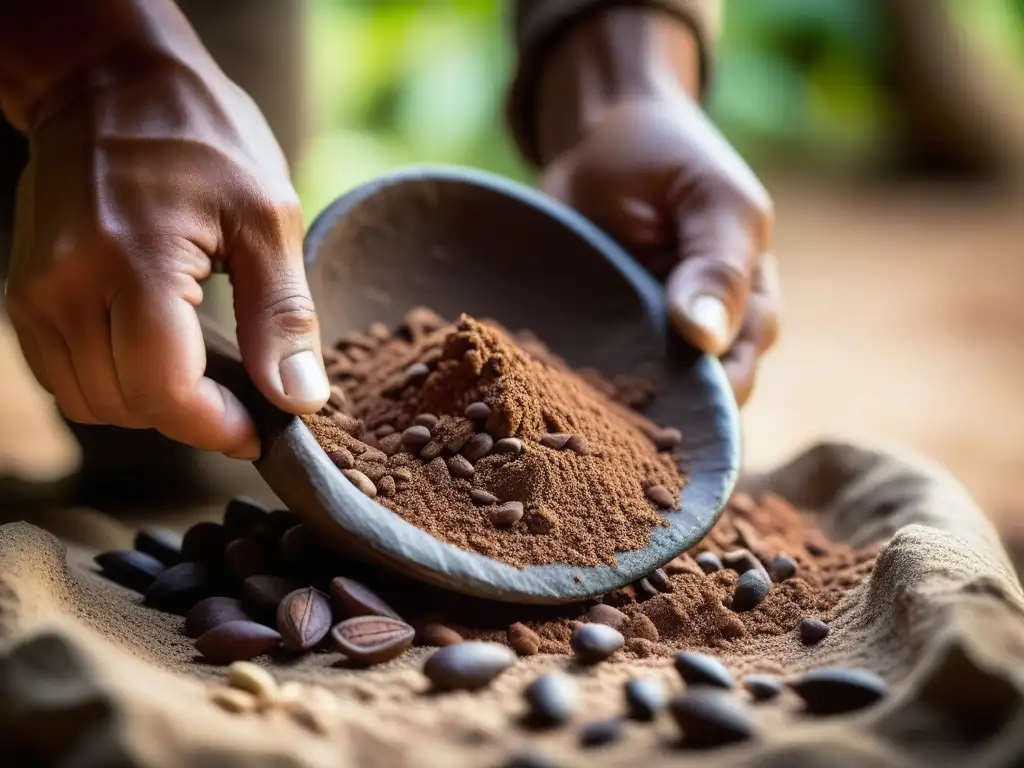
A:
{"points": [[134, 193], [659, 178], [648, 166]]}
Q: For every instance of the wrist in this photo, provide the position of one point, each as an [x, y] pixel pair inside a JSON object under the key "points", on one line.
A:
{"points": [[95, 45], [622, 54]]}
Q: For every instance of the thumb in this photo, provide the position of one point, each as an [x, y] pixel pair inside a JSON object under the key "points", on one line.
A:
{"points": [[278, 331], [707, 292]]}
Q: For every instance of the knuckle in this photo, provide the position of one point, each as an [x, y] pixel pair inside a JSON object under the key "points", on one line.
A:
{"points": [[277, 207], [728, 275], [111, 229], [61, 275], [764, 222], [741, 181], [291, 310], [760, 212], [766, 279], [153, 279], [270, 217]]}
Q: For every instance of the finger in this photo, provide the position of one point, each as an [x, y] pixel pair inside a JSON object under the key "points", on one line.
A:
{"points": [[88, 338], [629, 218], [278, 332], [765, 302], [61, 374], [707, 293], [760, 329], [160, 359], [740, 364], [633, 221], [30, 349], [625, 213]]}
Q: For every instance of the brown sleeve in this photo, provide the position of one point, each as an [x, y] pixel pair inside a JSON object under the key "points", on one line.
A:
{"points": [[538, 24]]}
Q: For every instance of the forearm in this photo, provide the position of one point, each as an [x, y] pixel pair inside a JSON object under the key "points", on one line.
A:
{"points": [[615, 56], [52, 49], [578, 57]]}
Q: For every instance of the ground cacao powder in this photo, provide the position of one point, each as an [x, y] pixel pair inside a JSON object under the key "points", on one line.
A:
{"points": [[428, 373], [673, 608], [433, 407], [691, 610], [696, 613]]}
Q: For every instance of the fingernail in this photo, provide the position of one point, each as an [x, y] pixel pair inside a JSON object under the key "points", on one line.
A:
{"points": [[304, 380], [710, 314]]}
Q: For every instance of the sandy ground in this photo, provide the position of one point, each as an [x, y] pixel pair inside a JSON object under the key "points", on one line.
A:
{"points": [[89, 675], [903, 321]]}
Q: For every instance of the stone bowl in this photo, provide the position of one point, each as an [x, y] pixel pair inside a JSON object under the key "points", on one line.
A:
{"points": [[459, 240]]}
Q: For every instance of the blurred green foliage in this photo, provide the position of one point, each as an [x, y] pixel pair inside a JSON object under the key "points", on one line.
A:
{"points": [[399, 82], [394, 82], [799, 73]]}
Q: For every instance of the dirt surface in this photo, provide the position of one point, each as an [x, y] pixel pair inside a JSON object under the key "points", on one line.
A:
{"points": [[90, 676]]}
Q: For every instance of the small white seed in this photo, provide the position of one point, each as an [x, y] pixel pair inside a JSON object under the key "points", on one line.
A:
{"points": [[233, 700], [246, 676]]}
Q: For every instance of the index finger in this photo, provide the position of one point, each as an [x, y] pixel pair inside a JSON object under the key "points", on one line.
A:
{"points": [[707, 292], [161, 360]]}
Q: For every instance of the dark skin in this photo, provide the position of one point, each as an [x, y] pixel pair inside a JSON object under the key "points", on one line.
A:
{"points": [[149, 169], [622, 140]]}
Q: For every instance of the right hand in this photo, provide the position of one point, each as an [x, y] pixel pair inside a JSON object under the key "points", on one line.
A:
{"points": [[134, 193], [658, 176], [622, 139]]}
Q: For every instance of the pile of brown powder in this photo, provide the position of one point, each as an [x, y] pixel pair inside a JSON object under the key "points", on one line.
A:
{"points": [[590, 474], [695, 611], [581, 506]]}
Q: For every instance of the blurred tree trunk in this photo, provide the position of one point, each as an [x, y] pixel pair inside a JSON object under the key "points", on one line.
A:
{"points": [[958, 120]]}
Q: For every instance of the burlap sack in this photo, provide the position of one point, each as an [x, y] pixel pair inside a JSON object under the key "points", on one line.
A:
{"points": [[90, 678]]}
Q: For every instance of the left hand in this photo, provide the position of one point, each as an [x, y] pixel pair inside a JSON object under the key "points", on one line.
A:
{"points": [[137, 188], [658, 176]]}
